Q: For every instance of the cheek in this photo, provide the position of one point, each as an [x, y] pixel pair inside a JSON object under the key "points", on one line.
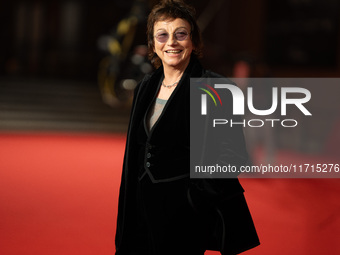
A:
{"points": [[190, 49], [157, 47], [190, 46]]}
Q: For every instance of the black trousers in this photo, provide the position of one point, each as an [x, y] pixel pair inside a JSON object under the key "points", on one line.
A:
{"points": [[167, 219]]}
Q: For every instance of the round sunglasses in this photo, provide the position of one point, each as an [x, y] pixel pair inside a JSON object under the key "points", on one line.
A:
{"points": [[163, 37]]}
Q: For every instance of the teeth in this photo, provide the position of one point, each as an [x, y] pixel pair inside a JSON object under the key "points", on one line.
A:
{"points": [[173, 51]]}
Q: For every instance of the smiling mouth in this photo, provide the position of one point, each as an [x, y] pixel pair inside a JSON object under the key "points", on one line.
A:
{"points": [[173, 51]]}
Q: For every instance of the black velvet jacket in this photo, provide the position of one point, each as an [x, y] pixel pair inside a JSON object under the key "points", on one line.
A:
{"points": [[163, 156]]}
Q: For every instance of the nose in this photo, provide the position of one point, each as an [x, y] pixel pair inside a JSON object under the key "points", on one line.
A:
{"points": [[172, 40]]}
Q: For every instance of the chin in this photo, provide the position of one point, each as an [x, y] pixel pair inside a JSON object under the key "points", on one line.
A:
{"points": [[174, 63]]}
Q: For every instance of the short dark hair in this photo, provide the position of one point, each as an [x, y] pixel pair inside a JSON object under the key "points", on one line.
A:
{"points": [[172, 9]]}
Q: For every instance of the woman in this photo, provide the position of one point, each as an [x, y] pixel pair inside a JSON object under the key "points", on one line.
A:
{"points": [[161, 210]]}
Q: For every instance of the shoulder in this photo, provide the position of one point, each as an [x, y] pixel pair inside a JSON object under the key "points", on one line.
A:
{"points": [[151, 77], [211, 74]]}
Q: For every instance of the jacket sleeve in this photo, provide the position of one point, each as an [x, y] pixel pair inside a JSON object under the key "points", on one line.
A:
{"points": [[226, 148], [123, 211]]}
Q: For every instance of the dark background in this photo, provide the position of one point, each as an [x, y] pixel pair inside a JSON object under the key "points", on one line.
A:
{"points": [[52, 75], [58, 39]]}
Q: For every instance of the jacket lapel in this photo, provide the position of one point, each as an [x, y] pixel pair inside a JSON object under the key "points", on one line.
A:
{"points": [[194, 69]]}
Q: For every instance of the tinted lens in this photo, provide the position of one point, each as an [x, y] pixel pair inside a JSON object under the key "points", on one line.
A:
{"points": [[162, 37], [181, 35]]}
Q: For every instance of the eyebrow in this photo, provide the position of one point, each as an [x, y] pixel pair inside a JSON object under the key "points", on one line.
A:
{"points": [[175, 28]]}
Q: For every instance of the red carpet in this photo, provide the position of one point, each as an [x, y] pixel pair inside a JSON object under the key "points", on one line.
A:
{"points": [[58, 195]]}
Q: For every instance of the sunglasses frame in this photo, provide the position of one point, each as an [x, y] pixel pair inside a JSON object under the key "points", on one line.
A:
{"points": [[168, 36]]}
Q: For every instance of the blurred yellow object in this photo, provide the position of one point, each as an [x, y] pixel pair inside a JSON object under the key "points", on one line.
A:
{"points": [[114, 47], [125, 24]]}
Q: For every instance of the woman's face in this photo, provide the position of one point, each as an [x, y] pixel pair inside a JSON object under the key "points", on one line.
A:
{"points": [[174, 51]]}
